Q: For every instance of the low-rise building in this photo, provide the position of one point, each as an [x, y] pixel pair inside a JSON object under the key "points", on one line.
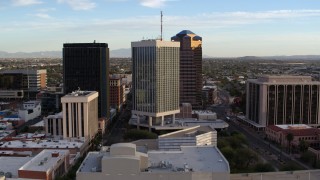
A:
{"points": [[278, 133], [10, 165], [75, 146], [123, 161], [194, 136], [48, 165], [30, 110], [53, 125], [185, 111], [205, 115]]}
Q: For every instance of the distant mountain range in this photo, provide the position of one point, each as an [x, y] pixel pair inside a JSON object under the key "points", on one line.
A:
{"points": [[126, 52], [58, 54]]}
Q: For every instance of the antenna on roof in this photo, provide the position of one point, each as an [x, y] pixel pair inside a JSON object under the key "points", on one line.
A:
{"points": [[161, 25]]}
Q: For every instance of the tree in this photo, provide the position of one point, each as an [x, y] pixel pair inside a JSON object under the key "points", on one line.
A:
{"points": [[245, 157], [266, 167], [228, 153], [289, 138], [307, 157], [135, 134], [303, 145]]}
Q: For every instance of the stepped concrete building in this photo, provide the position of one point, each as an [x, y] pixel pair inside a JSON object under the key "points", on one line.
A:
{"points": [[155, 79], [190, 67]]}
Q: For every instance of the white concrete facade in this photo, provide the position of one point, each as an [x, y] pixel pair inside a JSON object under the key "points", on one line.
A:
{"points": [[80, 114], [53, 125], [273, 100], [194, 136]]}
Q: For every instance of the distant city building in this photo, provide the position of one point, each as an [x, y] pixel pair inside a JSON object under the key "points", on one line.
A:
{"points": [[50, 99], [30, 110], [48, 165], [117, 89], [29, 80], [209, 94], [53, 125], [275, 100], [155, 79], [190, 67], [124, 161], [86, 67], [80, 114], [185, 111]]}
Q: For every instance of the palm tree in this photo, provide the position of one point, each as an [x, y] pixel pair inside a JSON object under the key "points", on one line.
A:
{"points": [[289, 138]]}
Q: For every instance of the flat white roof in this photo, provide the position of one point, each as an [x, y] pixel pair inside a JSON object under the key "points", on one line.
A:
{"points": [[93, 160], [56, 116], [43, 144], [44, 160], [182, 123], [12, 164], [195, 158], [293, 126], [39, 124], [189, 132]]}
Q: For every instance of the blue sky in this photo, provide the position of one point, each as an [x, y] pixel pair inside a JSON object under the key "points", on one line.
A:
{"points": [[229, 28]]}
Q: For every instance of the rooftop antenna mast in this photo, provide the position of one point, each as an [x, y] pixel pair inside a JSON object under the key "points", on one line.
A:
{"points": [[161, 25]]}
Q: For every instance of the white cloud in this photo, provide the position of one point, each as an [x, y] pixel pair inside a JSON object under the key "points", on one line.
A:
{"points": [[43, 15], [46, 9], [152, 3], [79, 4], [25, 2]]}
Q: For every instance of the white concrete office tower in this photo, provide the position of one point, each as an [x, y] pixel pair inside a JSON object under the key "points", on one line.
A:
{"points": [[80, 114], [155, 80], [273, 100]]}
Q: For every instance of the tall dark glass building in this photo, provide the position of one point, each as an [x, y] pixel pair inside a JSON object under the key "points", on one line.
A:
{"points": [[86, 67]]}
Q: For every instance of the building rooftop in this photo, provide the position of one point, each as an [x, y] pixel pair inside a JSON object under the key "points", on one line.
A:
{"points": [[12, 164], [5, 133], [283, 79], [38, 124], [43, 144], [45, 160], [296, 129], [181, 123], [190, 132], [23, 71], [185, 32], [293, 126], [190, 158], [88, 45], [55, 116], [79, 93]]}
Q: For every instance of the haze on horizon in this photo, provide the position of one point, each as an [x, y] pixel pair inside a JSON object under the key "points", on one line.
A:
{"points": [[229, 28]]}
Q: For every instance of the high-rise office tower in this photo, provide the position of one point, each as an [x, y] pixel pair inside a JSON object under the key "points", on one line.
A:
{"points": [[86, 67], [274, 100], [155, 79], [190, 67]]}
